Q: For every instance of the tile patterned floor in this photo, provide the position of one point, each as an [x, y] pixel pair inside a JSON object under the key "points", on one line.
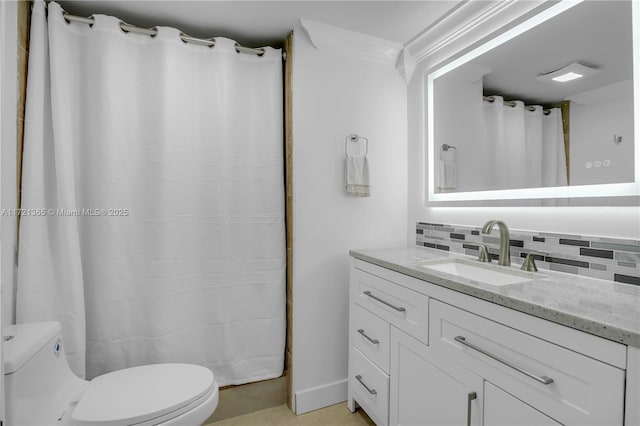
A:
{"points": [[335, 415]]}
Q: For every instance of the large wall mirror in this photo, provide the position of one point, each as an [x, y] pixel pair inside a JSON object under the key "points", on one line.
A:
{"points": [[544, 110]]}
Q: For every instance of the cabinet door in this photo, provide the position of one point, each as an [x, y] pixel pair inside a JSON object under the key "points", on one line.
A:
{"points": [[503, 409], [426, 389]]}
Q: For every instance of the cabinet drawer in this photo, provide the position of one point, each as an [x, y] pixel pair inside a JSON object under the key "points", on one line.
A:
{"points": [[370, 387], [370, 335], [582, 390], [404, 308]]}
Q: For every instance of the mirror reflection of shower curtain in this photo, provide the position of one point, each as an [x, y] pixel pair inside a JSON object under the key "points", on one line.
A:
{"points": [[554, 165], [524, 149], [177, 149]]}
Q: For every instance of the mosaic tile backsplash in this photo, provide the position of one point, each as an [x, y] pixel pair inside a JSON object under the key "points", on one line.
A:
{"points": [[612, 259]]}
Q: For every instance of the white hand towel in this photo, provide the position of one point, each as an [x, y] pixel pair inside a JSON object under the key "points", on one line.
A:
{"points": [[448, 170], [448, 176], [358, 176]]}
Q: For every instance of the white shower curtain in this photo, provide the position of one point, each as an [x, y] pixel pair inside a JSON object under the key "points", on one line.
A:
{"points": [[167, 159], [525, 149], [554, 164]]}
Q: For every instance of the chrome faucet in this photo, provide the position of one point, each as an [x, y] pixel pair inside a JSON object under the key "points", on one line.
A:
{"points": [[529, 263], [505, 253]]}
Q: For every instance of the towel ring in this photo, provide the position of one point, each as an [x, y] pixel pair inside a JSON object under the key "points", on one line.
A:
{"points": [[354, 137]]}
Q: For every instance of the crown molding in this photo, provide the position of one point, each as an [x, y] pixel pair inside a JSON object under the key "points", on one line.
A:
{"points": [[405, 65], [467, 23], [339, 40]]}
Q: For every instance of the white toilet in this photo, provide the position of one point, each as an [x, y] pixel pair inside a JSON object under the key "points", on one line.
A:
{"points": [[41, 389]]}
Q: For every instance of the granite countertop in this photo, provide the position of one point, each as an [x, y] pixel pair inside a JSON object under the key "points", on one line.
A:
{"points": [[603, 308]]}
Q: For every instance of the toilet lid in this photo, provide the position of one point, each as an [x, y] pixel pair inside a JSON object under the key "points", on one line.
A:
{"points": [[135, 395]]}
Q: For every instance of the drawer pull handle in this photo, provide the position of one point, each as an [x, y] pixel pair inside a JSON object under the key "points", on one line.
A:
{"points": [[371, 391], [374, 341], [399, 309], [470, 397], [542, 379]]}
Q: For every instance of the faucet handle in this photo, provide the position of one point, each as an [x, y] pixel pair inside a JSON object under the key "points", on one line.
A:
{"points": [[484, 253], [529, 263]]}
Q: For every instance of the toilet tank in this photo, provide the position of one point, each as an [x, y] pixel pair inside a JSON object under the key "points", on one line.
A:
{"points": [[39, 385]]}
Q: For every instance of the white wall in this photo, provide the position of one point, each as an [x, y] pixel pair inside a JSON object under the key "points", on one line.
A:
{"points": [[334, 95], [596, 116], [460, 117]]}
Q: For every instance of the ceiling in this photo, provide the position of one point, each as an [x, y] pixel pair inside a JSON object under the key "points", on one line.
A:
{"points": [[255, 23], [596, 33]]}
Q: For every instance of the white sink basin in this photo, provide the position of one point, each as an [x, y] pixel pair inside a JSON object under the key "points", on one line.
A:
{"points": [[481, 272]]}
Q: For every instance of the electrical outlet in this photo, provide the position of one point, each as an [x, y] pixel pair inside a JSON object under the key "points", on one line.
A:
{"points": [[597, 164]]}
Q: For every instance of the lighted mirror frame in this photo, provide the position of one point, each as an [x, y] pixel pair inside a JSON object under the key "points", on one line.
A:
{"points": [[579, 191]]}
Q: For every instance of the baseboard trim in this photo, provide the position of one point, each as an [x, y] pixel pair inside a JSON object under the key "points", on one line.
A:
{"points": [[321, 396]]}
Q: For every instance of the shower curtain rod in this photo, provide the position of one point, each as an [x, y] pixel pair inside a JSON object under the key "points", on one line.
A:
{"points": [[491, 99], [184, 37]]}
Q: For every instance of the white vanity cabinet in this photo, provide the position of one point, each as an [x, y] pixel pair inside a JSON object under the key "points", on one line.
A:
{"points": [[376, 306], [434, 356]]}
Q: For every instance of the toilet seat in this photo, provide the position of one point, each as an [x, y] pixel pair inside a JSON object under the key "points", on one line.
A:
{"points": [[150, 394]]}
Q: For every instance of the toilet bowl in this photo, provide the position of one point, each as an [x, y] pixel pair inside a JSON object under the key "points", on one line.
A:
{"points": [[41, 389]]}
